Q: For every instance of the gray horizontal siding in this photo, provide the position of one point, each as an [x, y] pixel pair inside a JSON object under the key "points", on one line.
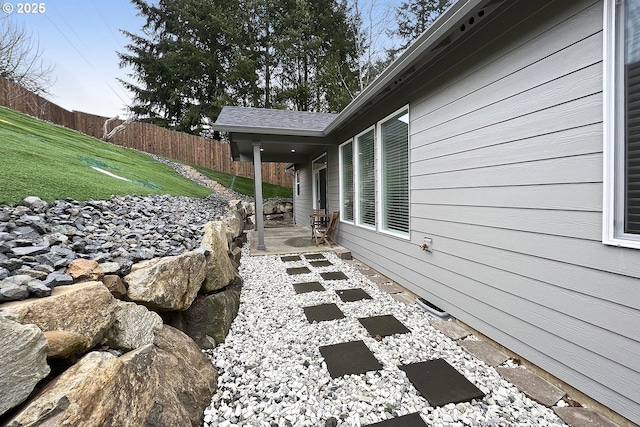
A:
{"points": [[506, 177]]}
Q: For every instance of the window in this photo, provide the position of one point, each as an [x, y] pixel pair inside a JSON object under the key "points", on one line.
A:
{"points": [[394, 182], [346, 181], [366, 181], [374, 176], [622, 123]]}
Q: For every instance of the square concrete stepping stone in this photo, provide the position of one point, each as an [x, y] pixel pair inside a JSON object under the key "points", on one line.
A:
{"points": [[440, 383], [450, 329], [410, 420], [349, 358], [305, 287], [323, 312], [298, 270], [324, 263], [334, 275], [583, 417], [291, 258], [314, 256], [485, 352], [532, 385], [383, 326], [351, 295]]}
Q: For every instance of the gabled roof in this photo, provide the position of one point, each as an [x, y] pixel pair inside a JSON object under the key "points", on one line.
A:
{"points": [[274, 122]]}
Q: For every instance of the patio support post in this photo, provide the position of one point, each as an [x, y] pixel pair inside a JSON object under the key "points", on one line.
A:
{"points": [[257, 180]]}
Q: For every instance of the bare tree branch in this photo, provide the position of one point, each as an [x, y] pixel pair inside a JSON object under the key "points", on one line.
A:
{"points": [[21, 58]]}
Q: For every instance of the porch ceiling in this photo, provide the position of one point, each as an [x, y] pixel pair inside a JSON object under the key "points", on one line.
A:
{"points": [[276, 148]]}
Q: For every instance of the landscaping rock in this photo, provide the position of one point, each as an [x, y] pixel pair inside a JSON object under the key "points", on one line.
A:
{"points": [[85, 270], [209, 318], [220, 271], [35, 203], [169, 283], [85, 308], [57, 279], [115, 285], [22, 362], [65, 344], [180, 400], [140, 388], [100, 390], [134, 327]]}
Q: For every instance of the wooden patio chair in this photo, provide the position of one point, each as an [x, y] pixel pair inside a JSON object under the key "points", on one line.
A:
{"points": [[324, 234], [318, 219]]}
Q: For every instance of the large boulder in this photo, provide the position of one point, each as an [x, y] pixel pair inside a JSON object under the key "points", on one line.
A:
{"points": [[64, 344], [220, 271], [234, 225], [169, 283], [85, 308], [180, 400], [100, 390], [134, 327], [23, 361], [209, 318], [168, 383]]}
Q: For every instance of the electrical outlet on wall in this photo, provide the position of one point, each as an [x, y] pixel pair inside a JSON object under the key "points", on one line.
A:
{"points": [[427, 244]]}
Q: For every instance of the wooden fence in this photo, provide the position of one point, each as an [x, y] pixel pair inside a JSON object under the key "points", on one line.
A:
{"points": [[153, 139]]}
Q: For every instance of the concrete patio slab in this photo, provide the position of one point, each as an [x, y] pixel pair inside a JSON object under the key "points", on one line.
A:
{"points": [[583, 417], [485, 352], [450, 329], [286, 240], [532, 385]]}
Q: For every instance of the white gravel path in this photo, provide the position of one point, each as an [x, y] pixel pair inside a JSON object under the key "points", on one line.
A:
{"points": [[271, 372]]}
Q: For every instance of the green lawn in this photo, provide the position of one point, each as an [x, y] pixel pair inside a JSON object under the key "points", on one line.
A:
{"points": [[244, 185], [52, 162]]}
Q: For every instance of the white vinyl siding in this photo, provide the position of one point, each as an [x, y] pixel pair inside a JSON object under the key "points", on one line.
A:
{"points": [[394, 182], [622, 117], [346, 181], [366, 181]]}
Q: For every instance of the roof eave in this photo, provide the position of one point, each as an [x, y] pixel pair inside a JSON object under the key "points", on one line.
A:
{"points": [[268, 130], [450, 18]]}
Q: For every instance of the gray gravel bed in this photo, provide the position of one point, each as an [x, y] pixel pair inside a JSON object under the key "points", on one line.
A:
{"points": [[38, 241], [271, 372]]}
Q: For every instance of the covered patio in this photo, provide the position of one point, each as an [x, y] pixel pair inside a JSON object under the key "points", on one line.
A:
{"points": [[262, 135]]}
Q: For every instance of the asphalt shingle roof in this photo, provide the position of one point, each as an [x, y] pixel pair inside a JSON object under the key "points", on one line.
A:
{"points": [[262, 118]]}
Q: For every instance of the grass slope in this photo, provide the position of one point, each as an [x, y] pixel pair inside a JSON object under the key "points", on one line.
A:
{"points": [[244, 185], [52, 162]]}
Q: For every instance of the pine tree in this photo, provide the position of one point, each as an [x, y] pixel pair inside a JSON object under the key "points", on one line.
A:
{"points": [[413, 17]]}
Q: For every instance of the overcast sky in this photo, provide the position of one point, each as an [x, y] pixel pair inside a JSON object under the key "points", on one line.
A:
{"points": [[81, 37]]}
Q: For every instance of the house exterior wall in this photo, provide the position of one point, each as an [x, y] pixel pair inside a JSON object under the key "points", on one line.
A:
{"points": [[506, 178], [304, 201]]}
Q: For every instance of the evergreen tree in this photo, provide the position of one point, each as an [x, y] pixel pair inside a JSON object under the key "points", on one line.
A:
{"points": [[195, 56], [413, 17]]}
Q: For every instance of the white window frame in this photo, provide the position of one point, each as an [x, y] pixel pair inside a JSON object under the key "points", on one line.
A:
{"points": [[353, 170], [613, 149], [380, 218], [356, 185]]}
